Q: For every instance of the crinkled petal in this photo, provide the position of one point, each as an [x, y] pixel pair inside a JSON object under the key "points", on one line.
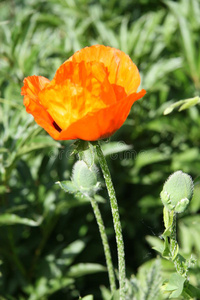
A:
{"points": [[102, 123], [122, 71], [33, 85], [76, 90]]}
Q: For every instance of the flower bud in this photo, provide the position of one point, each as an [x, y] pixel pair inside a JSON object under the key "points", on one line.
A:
{"points": [[85, 178], [177, 192]]}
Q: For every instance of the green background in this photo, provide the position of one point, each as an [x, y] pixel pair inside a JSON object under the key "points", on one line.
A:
{"points": [[50, 246]]}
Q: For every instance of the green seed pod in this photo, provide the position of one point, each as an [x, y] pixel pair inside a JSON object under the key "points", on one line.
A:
{"points": [[177, 192], [85, 178]]}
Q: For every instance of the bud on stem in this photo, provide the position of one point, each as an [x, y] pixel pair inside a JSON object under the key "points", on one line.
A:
{"points": [[176, 195], [177, 192]]}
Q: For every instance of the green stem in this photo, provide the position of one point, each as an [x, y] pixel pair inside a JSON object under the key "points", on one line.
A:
{"points": [[15, 256], [105, 244], [173, 247], [116, 220]]}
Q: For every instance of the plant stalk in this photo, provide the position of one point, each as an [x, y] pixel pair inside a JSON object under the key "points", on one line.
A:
{"points": [[173, 247], [105, 244], [116, 220]]}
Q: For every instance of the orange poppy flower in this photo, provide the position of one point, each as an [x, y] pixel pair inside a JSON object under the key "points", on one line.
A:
{"points": [[89, 97]]}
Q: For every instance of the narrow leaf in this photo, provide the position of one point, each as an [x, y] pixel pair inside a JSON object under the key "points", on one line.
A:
{"points": [[84, 269], [68, 186], [11, 219]]}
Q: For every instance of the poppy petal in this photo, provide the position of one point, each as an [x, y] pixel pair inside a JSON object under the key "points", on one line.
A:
{"points": [[102, 123], [76, 90], [33, 85], [122, 71]]}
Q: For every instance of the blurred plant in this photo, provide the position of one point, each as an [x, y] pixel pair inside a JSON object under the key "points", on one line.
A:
{"points": [[182, 104], [36, 37], [146, 284], [15, 210], [189, 32], [176, 194]]}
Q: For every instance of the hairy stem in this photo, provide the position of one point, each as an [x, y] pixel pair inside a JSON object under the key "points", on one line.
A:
{"points": [[105, 244], [116, 220], [173, 247]]}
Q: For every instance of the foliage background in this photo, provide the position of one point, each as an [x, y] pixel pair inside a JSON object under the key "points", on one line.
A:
{"points": [[50, 244]]}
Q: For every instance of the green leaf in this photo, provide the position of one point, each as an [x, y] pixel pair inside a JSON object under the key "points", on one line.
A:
{"points": [[156, 243], [124, 34], [195, 202], [184, 104], [88, 297], [116, 295], [189, 103], [70, 252], [112, 148], [106, 34], [192, 291], [99, 199], [149, 157], [187, 40], [168, 218], [170, 108], [12, 219], [37, 143], [45, 287], [159, 70], [190, 233], [106, 293], [150, 280], [68, 186], [166, 251], [85, 269], [175, 285]]}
